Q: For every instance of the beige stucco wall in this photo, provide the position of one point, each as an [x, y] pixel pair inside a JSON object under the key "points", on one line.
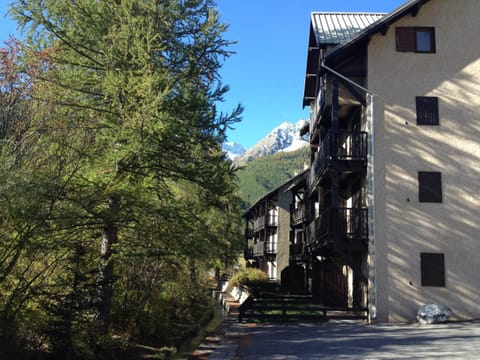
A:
{"points": [[283, 245], [404, 227]]}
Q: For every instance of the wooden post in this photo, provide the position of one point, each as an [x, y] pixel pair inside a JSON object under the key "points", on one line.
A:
{"points": [[334, 186], [335, 104]]}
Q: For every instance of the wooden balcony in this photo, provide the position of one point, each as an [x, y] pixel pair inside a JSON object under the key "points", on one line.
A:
{"points": [[258, 248], [321, 106], [264, 221], [345, 150], [297, 251], [340, 229], [263, 248], [297, 215], [270, 247], [310, 234]]}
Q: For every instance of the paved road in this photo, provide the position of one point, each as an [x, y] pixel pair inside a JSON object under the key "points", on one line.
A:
{"points": [[343, 340]]}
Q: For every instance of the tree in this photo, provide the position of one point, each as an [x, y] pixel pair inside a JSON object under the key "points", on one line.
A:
{"points": [[131, 91], [32, 185]]}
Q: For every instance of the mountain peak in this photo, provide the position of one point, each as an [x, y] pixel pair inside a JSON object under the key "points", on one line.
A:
{"points": [[233, 149], [283, 138], [285, 124]]}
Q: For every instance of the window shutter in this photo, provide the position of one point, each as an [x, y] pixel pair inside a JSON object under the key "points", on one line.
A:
{"points": [[427, 110], [432, 269], [405, 39], [429, 186]]}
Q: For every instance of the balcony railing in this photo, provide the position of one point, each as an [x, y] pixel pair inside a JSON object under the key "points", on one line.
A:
{"points": [[262, 248], [259, 248], [270, 247], [336, 224], [341, 146], [265, 220], [319, 104], [298, 215], [296, 251], [310, 236], [340, 228]]}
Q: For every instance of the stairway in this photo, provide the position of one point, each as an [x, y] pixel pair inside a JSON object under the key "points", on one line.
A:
{"points": [[277, 306]]}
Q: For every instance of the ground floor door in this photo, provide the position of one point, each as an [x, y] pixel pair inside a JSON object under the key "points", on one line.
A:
{"points": [[330, 283]]}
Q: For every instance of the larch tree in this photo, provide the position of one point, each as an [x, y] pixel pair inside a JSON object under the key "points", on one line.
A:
{"points": [[134, 86]]}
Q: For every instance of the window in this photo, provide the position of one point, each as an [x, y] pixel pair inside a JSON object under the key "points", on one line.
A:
{"points": [[429, 186], [432, 269], [415, 39], [427, 110]]}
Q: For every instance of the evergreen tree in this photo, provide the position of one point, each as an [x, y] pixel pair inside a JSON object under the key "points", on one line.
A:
{"points": [[125, 143]]}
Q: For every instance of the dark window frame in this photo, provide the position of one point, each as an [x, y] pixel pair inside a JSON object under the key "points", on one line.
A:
{"points": [[427, 110], [432, 269], [406, 39], [430, 187]]}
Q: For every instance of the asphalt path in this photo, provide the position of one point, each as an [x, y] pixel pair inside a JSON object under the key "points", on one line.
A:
{"points": [[349, 340]]}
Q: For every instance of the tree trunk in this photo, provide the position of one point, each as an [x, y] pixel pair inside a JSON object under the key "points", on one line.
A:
{"points": [[105, 270]]}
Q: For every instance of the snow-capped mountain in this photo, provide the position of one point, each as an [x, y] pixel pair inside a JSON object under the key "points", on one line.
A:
{"points": [[233, 149], [285, 137]]}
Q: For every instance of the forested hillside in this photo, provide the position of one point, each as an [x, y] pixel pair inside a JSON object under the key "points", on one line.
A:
{"points": [[260, 176]]}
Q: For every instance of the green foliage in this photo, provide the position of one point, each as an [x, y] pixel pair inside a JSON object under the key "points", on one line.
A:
{"points": [[248, 277], [164, 353], [170, 305], [116, 197], [262, 175]]}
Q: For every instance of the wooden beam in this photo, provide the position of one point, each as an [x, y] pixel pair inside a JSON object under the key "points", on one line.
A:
{"points": [[353, 91], [355, 73], [384, 29], [335, 103], [415, 9]]}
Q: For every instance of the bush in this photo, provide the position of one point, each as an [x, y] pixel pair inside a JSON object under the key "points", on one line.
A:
{"points": [[248, 277]]}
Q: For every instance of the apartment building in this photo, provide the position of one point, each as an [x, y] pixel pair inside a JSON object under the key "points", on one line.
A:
{"points": [[267, 231], [392, 200]]}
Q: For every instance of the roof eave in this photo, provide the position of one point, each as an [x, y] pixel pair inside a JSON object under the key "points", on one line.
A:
{"points": [[315, 45], [381, 25], [287, 183]]}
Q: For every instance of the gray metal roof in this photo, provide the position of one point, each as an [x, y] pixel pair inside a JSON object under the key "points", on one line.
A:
{"points": [[336, 27], [410, 7]]}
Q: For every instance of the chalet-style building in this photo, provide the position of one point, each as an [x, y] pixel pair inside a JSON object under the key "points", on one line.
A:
{"points": [[395, 137], [336, 239], [268, 230], [392, 200]]}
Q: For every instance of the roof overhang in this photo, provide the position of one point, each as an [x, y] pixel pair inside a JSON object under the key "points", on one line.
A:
{"points": [[327, 30], [287, 185], [350, 46]]}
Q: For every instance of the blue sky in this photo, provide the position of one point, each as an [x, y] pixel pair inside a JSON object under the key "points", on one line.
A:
{"points": [[266, 75]]}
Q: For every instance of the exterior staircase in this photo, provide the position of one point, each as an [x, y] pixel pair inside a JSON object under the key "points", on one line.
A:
{"points": [[277, 306]]}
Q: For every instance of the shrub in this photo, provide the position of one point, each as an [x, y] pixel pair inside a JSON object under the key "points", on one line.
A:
{"points": [[249, 277]]}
